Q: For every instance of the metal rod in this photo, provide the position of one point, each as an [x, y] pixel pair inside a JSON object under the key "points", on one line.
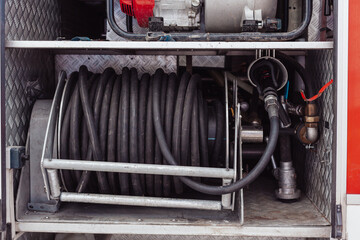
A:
{"points": [[227, 121], [54, 183], [2, 116], [138, 168], [273, 162], [140, 201], [241, 171], [47, 151]]}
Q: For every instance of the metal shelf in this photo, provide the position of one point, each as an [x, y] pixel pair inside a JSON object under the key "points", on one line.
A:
{"points": [[164, 48]]}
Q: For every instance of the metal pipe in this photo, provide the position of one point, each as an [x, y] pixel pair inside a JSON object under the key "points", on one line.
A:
{"points": [[138, 168], [140, 201], [226, 198], [244, 36], [54, 183], [227, 122], [47, 151], [251, 134]]}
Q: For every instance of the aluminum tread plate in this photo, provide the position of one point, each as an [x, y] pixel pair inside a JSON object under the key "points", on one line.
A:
{"points": [[29, 76], [32, 20], [27, 71], [318, 166], [98, 63]]}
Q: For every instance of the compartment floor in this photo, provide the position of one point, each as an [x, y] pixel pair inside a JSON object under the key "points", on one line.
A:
{"points": [[261, 209]]}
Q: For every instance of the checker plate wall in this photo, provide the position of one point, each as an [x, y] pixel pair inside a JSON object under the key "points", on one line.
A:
{"points": [[27, 20], [318, 166], [98, 63]]}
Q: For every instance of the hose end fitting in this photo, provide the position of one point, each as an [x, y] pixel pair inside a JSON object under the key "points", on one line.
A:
{"points": [[287, 182], [272, 105]]}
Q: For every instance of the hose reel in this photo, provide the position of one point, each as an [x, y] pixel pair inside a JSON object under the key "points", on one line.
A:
{"points": [[139, 141]]}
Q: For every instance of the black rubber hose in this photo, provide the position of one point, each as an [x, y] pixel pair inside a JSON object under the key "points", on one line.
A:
{"points": [[95, 105], [143, 98], [104, 120], [169, 119], [203, 128], [220, 125], [284, 116], [104, 116], [111, 137], [84, 132], [123, 130], [75, 120], [195, 138], [214, 190], [158, 158], [90, 122], [133, 141], [285, 148], [186, 119], [86, 177], [176, 139], [305, 76], [64, 150], [149, 140]]}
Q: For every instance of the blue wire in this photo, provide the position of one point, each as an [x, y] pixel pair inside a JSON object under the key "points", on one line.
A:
{"points": [[287, 90]]}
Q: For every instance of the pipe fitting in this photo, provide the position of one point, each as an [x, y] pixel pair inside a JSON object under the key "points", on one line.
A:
{"points": [[311, 122], [272, 105], [287, 182], [308, 132]]}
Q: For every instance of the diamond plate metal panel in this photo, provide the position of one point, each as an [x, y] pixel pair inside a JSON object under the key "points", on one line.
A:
{"points": [[318, 167], [32, 20], [204, 61], [120, 18], [315, 24], [97, 63], [29, 76]]}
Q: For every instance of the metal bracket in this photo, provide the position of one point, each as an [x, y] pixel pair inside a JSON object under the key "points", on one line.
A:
{"points": [[15, 157], [44, 207], [265, 53], [338, 222]]}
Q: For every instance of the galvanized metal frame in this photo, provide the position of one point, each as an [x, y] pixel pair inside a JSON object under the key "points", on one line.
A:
{"points": [[2, 116], [341, 83]]}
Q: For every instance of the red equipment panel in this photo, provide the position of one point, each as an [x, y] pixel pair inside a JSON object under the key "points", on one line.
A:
{"points": [[353, 161], [140, 9]]}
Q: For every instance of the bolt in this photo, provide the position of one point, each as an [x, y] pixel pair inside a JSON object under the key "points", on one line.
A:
{"points": [[195, 3]]}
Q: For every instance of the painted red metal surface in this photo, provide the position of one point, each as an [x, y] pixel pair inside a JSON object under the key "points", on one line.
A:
{"points": [[353, 161], [140, 9]]}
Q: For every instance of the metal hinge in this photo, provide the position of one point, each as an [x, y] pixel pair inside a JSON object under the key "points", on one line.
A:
{"points": [[338, 222]]}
